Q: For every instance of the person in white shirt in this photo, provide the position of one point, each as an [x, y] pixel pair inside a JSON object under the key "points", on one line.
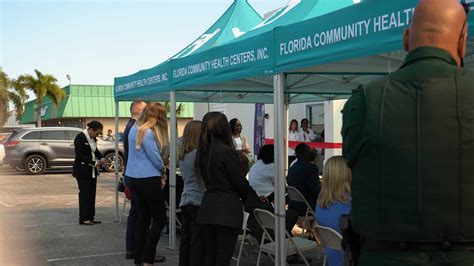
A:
{"points": [[293, 135], [262, 180], [240, 141], [262, 173], [307, 134]]}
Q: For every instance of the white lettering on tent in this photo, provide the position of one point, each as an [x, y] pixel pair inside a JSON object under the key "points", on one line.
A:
{"points": [[153, 80], [297, 45], [235, 59], [343, 33], [393, 20], [385, 22], [347, 32], [262, 54]]}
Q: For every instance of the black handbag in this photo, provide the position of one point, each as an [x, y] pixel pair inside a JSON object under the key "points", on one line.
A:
{"points": [[121, 185]]}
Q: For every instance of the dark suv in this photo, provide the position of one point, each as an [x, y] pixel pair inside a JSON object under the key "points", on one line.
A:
{"points": [[37, 149]]}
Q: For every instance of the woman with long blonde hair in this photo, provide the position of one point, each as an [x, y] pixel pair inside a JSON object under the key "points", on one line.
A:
{"points": [[191, 248], [147, 151], [334, 200]]}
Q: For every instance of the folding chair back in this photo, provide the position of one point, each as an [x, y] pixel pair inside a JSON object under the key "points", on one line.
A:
{"points": [[294, 245], [244, 236], [329, 237], [295, 195], [265, 219]]}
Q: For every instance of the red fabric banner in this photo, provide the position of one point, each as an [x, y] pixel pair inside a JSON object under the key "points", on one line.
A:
{"points": [[313, 145]]}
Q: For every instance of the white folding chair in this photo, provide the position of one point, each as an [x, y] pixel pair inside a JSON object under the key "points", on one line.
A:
{"points": [[295, 195], [178, 210], [329, 238], [244, 237], [294, 245]]}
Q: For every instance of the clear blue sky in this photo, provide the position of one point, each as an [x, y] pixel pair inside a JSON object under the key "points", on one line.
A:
{"points": [[97, 40]]}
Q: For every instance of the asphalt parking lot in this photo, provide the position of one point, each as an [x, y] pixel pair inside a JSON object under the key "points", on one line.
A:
{"points": [[39, 224]]}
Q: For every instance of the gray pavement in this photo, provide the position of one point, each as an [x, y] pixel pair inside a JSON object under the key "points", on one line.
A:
{"points": [[39, 224]]}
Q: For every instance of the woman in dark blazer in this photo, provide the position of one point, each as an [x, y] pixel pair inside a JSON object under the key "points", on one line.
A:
{"points": [[88, 159], [217, 163]]}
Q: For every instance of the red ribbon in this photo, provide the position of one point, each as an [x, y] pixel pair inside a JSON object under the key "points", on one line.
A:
{"points": [[313, 145]]}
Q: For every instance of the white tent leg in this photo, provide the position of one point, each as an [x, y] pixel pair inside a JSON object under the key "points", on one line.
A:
{"points": [[172, 177], [116, 161], [278, 103], [286, 124]]}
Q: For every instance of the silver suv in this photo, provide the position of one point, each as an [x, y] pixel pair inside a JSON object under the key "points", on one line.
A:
{"points": [[36, 149]]}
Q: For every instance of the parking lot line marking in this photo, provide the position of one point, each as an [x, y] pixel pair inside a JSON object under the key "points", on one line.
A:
{"points": [[108, 198], [6, 205], [85, 257]]}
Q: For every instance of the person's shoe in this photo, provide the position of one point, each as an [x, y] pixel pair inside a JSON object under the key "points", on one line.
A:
{"points": [[159, 259], [96, 222], [87, 222], [129, 256]]}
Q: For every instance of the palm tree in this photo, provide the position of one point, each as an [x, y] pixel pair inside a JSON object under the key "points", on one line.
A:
{"points": [[42, 85], [9, 94]]}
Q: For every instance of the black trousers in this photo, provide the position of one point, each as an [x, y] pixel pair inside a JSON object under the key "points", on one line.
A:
{"points": [[191, 246], [220, 244], [151, 217], [87, 190]]}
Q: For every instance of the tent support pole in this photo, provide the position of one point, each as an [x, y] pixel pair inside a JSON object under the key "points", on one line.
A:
{"points": [[116, 166], [286, 108], [278, 103], [172, 177]]}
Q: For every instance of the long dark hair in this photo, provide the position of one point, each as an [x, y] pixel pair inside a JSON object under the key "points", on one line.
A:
{"points": [[214, 126], [232, 123]]}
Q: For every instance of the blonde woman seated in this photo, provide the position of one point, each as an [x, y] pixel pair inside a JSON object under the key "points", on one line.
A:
{"points": [[334, 200]]}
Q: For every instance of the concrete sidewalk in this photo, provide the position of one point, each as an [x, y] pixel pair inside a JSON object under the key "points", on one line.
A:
{"points": [[39, 224]]}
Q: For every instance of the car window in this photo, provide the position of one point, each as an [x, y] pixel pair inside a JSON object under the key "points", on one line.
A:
{"points": [[71, 135], [53, 135], [34, 135]]}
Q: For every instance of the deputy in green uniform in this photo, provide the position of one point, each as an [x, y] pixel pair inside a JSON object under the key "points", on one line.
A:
{"points": [[409, 140]]}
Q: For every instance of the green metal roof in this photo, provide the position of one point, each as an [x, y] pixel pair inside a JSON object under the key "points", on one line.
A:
{"points": [[83, 101]]}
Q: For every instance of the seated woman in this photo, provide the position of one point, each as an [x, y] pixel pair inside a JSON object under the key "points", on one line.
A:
{"points": [[334, 201], [262, 173], [262, 180]]}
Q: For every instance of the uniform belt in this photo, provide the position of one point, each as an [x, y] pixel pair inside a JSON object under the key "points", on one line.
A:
{"points": [[372, 244]]}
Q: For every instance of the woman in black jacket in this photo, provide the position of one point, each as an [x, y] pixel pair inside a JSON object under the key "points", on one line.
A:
{"points": [[227, 190], [88, 159]]}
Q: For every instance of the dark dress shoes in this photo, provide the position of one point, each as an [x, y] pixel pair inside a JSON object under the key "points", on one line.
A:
{"points": [[158, 259]]}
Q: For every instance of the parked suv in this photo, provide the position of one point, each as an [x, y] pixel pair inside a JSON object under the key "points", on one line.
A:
{"points": [[37, 149]]}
